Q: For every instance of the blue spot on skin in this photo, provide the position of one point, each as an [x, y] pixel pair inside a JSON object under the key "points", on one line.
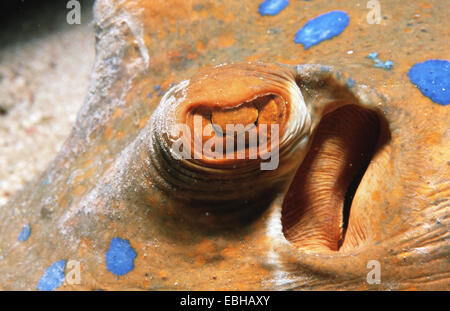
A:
{"points": [[350, 83], [373, 55], [53, 276], [120, 257], [157, 87], [323, 27], [378, 63], [24, 234], [272, 7], [386, 65], [432, 77], [324, 68], [149, 95]]}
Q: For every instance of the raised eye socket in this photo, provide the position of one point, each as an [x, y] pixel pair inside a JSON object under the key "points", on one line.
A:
{"points": [[227, 129]]}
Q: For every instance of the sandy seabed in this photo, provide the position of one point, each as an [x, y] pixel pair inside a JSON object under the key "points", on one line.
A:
{"points": [[43, 82]]}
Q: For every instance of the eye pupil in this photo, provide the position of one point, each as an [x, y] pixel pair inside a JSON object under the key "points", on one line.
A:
{"points": [[244, 114]]}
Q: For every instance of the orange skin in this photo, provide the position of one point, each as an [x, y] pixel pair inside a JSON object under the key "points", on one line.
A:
{"points": [[93, 191]]}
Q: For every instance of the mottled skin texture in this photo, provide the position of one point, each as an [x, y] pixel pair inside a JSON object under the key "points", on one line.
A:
{"points": [[97, 187]]}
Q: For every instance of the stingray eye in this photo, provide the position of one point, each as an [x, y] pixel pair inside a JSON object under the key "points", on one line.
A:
{"points": [[227, 129], [226, 135]]}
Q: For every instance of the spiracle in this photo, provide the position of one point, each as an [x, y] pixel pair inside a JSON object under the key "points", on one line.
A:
{"points": [[228, 134]]}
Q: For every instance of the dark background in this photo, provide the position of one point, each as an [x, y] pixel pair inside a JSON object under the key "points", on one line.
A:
{"points": [[30, 18]]}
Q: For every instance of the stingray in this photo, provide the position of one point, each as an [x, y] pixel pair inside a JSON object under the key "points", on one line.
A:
{"points": [[357, 197]]}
